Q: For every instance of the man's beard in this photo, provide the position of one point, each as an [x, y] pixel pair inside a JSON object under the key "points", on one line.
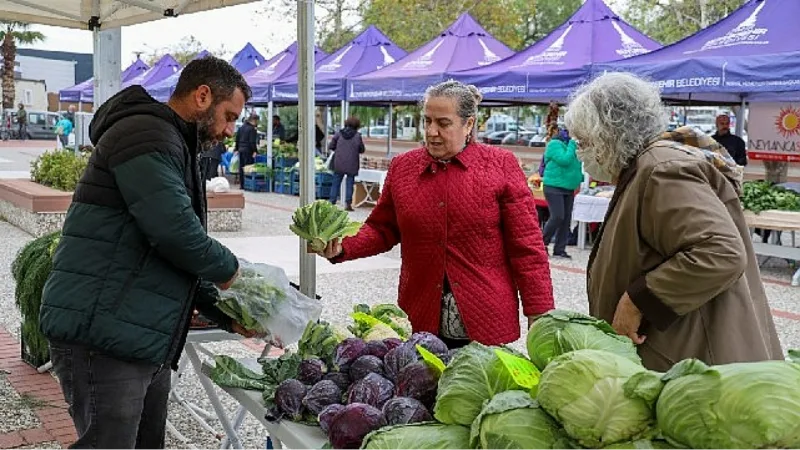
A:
{"points": [[205, 121]]}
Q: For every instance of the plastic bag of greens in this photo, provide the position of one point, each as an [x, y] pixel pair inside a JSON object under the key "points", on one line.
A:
{"points": [[262, 300]]}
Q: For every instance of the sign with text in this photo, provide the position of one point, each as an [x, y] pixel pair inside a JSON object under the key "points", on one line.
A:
{"points": [[773, 131]]}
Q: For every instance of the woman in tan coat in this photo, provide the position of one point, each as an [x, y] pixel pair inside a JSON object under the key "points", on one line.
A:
{"points": [[673, 267]]}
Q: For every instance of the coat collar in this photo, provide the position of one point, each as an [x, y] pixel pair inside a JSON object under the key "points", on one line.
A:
{"points": [[467, 157]]}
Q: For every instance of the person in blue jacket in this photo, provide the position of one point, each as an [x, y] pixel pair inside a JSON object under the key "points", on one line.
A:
{"points": [[562, 175], [63, 130]]}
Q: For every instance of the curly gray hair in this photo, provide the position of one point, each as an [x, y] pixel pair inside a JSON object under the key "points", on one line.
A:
{"points": [[466, 96], [614, 117]]}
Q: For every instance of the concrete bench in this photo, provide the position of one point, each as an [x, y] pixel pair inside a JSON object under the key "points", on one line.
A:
{"points": [[39, 209]]}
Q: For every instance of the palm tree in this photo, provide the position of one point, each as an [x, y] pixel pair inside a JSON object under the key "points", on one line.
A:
{"points": [[12, 33]]}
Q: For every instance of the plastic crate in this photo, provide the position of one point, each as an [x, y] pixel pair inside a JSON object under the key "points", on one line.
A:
{"points": [[323, 191], [295, 188], [282, 162], [323, 178], [283, 188], [256, 185]]}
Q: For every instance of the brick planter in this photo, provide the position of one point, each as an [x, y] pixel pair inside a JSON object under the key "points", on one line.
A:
{"points": [[39, 210]]}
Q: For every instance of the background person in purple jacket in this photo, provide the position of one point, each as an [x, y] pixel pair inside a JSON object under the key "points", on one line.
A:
{"points": [[347, 146]]}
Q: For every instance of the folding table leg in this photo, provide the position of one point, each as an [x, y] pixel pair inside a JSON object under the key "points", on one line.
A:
{"points": [[241, 413], [208, 386]]}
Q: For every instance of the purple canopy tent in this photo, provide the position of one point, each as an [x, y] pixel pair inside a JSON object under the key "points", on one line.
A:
{"points": [[247, 59], [753, 54], [84, 91], [369, 51], [561, 61], [282, 65], [163, 89], [463, 45], [165, 67]]}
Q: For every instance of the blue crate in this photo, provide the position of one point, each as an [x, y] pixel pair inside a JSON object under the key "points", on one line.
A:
{"points": [[323, 178], [295, 175], [261, 159], [295, 188], [255, 185], [256, 176], [283, 188], [283, 162], [323, 191]]}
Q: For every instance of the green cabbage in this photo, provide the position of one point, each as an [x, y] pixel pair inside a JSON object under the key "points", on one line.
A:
{"points": [[641, 444], [601, 398], [425, 435], [474, 375], [560, 331], [512, 419], [740, 405]]}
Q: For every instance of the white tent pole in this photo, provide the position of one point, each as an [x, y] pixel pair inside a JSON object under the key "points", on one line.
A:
{"points": [[270, 137], [344, 114], [306, 135], [390, 128], [327, 125], [107, 67], [740, 118]]}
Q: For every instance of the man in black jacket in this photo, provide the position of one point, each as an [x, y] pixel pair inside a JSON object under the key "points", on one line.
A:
{"points": [[134, 259], [734, 144], [247, 144]]}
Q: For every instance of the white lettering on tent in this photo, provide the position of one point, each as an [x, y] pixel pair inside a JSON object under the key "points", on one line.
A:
{"points": [[745, 33], [629, 46], [552, 55], [424, 61], [334, 65], [690, 82], [387, 58], [488, 55]]}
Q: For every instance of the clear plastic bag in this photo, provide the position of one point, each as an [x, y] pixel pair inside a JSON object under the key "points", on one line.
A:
{"points": [[262, 299]]}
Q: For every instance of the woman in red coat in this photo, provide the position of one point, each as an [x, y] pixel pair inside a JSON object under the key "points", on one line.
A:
{"points": [[466, 220]]}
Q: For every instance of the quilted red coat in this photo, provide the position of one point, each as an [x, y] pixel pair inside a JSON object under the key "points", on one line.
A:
{"points": [[473, 219]]}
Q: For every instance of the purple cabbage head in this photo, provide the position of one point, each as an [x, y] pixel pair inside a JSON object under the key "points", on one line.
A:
{"points": [[429, 341], [365, 365], [405, 410], [376, 348], [373, 390], [311, 371], [328, 414], [341, 379], [289, 398], [418, 381], [398, 358], [356, 420], [392, 343], [322, 394], [348, 351]]}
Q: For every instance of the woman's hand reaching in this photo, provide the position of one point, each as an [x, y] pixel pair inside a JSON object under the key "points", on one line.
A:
{"points": [[332, 250]]}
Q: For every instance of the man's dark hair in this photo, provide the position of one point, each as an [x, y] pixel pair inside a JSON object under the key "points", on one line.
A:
{"points": [[276, 117], [353, 122], [221, 77]]}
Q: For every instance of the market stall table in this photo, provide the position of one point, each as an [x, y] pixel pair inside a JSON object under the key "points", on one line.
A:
{"points": [[369, 180], [588, 209], [780, 221], [290, 434]]}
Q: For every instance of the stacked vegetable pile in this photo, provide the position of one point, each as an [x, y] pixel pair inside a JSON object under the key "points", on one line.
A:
{"points": [[321, 222], [583, 386], [760, 196], [30, 270]]}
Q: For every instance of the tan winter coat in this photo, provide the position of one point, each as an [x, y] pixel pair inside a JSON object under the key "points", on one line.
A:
{"points": [[676, 240]]}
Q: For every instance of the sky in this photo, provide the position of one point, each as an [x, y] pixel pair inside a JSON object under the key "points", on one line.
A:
{"points": [[231, 27]]}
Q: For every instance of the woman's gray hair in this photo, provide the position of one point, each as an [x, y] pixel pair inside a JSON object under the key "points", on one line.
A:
{"points": [[615, 116], [467, 97]]}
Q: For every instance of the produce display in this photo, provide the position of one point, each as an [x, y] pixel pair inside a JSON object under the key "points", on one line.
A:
{"points": [[581, 386], [321, 222], [760, 196]]}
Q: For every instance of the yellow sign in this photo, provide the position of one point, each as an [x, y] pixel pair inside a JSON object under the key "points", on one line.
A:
{"points": [[431, 359], [524, 373]]}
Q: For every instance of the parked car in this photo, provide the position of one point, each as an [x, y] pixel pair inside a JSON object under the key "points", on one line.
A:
{"points": [[495, 138], [515, 138], [41, 124]]}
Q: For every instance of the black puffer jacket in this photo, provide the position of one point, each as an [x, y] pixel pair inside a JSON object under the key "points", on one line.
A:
{"points": [[134, 248]]}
